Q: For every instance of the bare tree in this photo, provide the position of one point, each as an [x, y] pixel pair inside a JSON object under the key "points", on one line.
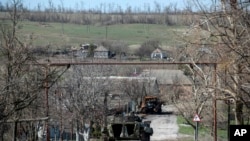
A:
{"points": [[116, 47], [147, 47], [20, 82], [231, 33], [195, 99], [138, 87], [86, 89], [228, 37]]}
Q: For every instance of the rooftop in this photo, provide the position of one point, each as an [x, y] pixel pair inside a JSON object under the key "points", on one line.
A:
{"points": [[167, 77], [101, 48]]}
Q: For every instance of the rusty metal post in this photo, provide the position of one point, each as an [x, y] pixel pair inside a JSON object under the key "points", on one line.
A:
{"points": [[215, 103], [61, 120], [47, 103]]}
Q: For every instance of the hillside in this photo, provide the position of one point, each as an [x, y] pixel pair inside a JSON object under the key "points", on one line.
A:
{"points": [[64, 34]]}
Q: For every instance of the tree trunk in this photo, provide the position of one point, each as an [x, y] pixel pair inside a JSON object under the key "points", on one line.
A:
{"points": [[14, 131], [1, 132], [77, 131], [239, 112]]}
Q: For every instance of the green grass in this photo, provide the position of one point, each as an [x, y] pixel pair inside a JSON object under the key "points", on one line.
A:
{"points": [[187, 130], [59, 34], [222, 134], [202, 131]]}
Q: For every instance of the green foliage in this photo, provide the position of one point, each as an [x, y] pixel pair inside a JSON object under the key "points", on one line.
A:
{"points": [[91, 50], [96, 131], [222, 134], [185, 70]]}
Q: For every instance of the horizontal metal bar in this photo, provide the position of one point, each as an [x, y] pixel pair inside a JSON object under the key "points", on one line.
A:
{"points": [[125, 63], [26, 120]]}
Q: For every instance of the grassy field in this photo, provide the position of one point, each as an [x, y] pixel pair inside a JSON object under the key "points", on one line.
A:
{"points": [[203, 132], [58, 34]]}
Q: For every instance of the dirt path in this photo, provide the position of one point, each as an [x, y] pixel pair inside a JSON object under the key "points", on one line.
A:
{"points": [[165, 126]]}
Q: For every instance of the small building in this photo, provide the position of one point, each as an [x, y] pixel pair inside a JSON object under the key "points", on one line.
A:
{"points": [[76, 51], [86, 48], [84, 53], [101, 52], [91, 50], [158, 54]]}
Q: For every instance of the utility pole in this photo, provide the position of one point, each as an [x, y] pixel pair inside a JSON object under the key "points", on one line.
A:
{"points": [[106, 32]]}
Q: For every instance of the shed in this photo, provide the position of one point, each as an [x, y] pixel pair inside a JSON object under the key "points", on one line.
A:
{"points": [[101, 52], [158, 54]]}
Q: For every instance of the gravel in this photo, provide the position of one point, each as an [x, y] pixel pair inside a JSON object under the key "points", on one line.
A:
{"points": [[165, 125]]}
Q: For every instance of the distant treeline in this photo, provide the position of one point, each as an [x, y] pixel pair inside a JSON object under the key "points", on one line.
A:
{"points": [[109, 19], [168, 15]]}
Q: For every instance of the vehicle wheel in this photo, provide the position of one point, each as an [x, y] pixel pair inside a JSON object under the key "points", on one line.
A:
{"points": [[111, 139], [159, 111], [144, 110]]}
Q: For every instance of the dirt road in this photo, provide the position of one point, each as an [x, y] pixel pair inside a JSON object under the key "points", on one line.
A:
{"points": [[165, 125]]}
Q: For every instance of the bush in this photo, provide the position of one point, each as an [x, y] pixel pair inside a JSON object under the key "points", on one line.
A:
{"points": [[147, 48], [39, 50]]}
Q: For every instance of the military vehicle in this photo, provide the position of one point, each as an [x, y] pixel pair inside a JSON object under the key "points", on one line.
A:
{"points": [[130, 127], [150, 105]]}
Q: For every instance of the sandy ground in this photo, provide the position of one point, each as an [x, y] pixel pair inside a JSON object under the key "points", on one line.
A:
{"points": [[165, 126]]}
